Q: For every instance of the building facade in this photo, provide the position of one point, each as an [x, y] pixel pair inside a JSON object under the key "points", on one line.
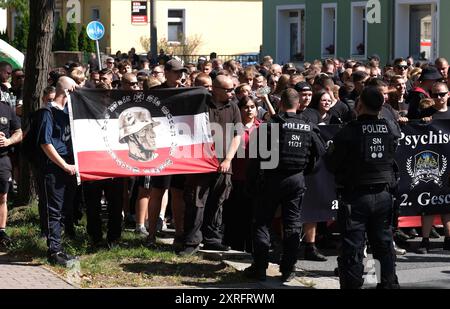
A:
{"points": [[304, 30], [226, 27]]}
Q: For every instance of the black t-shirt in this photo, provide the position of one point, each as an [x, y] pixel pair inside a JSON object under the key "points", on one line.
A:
{"points": [[437, 115], [389, 113], [341, 111], [9, 123], [329, 119], [311, 115], [225, 116]]}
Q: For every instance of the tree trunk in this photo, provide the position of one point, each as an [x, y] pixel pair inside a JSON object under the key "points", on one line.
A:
{"points": [[36, 76]]}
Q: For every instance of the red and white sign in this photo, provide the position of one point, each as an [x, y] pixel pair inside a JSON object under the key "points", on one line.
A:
{"points": [[139, 14]]}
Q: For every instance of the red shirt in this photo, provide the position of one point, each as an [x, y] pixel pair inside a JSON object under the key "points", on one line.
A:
{"points": [[240, 164]]}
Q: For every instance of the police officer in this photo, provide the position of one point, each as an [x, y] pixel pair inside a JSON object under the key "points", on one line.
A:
{"points": [[10, 134], [362, 159], [298, 147]]}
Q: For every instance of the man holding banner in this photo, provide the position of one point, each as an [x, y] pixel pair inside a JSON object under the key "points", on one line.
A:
{"points": [[59, 170], [362, 159]]}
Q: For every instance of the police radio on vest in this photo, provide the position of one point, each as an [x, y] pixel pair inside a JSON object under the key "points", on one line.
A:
{"points": [[375, 128], [297, 126]]}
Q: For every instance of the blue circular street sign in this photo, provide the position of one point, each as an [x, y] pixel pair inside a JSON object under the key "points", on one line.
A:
{"points": [[95, 30]]}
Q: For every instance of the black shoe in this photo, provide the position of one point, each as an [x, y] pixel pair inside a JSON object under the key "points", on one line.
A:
{"points": [[434, 234], [150, 243], [5, 240], [313, 254], [177, 243], [113, 244], [336, 271], [288, 276], [189, 251], [413, 233], [390, 286], [216, 247], [61, 259], [447, 244], [400, 236], [254, 273], [424, 246]]}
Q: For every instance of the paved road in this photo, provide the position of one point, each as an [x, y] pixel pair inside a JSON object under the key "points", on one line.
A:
{"points": [[414, 270]]}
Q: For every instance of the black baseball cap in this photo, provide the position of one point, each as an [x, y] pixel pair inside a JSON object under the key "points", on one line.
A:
{"points": [[174, 65], [303, 86]]}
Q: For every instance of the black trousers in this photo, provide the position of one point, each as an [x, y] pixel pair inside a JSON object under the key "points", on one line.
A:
{"points": [[58, 194], [285, 189], [360, 212], [238, 218], [93, 191], [38, 177], [204, 196]]}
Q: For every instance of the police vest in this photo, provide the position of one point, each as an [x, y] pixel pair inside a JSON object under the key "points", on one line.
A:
{"points": [[372, 161], [295, 142]]}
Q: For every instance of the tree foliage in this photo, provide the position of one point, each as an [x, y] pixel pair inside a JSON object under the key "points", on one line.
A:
{"points": [[21, 32], [71, 38], [18, 5], [58, 39], [4, 36], [83, 40], [91, 46], [22, 9]]}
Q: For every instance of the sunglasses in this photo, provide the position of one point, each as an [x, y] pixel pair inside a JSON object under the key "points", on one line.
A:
{"points": [[132, 83], [402, 67], [439, 95], [227, 90]]}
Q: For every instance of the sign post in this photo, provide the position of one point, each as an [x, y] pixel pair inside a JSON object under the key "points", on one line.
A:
{"points": [[95, 31]]}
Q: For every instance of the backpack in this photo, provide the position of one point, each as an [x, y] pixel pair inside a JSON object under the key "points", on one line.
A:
{"points": [[31, 149]]}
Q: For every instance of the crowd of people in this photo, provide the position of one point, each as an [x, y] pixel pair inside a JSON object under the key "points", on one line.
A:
{"points": [[216, 210]]}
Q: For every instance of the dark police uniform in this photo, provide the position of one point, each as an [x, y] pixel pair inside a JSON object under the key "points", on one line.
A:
{"points": [[299, 147], [59, 186], [9, 123], [362, 159]]}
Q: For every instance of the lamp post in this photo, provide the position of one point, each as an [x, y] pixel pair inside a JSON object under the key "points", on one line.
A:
{"points": [[153, 31]]}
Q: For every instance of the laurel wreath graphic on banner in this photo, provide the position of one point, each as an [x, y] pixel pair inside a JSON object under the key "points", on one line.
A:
{"points": [[409, 168], [415, 177], [444, 166]]}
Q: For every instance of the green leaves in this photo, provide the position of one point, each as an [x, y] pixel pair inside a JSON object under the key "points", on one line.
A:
{"points": [[71, 37], [58, 39]]}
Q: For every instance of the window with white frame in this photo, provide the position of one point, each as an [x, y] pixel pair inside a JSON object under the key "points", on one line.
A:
{"points": [[329, 29], [359, 30], [175, 25]]}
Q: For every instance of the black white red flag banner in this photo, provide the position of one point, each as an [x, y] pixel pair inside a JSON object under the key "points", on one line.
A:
{"points": [[133, 133]]}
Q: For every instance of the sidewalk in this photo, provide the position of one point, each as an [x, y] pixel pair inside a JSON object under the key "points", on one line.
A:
{"points": [[22, 275], [304, 279]]}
